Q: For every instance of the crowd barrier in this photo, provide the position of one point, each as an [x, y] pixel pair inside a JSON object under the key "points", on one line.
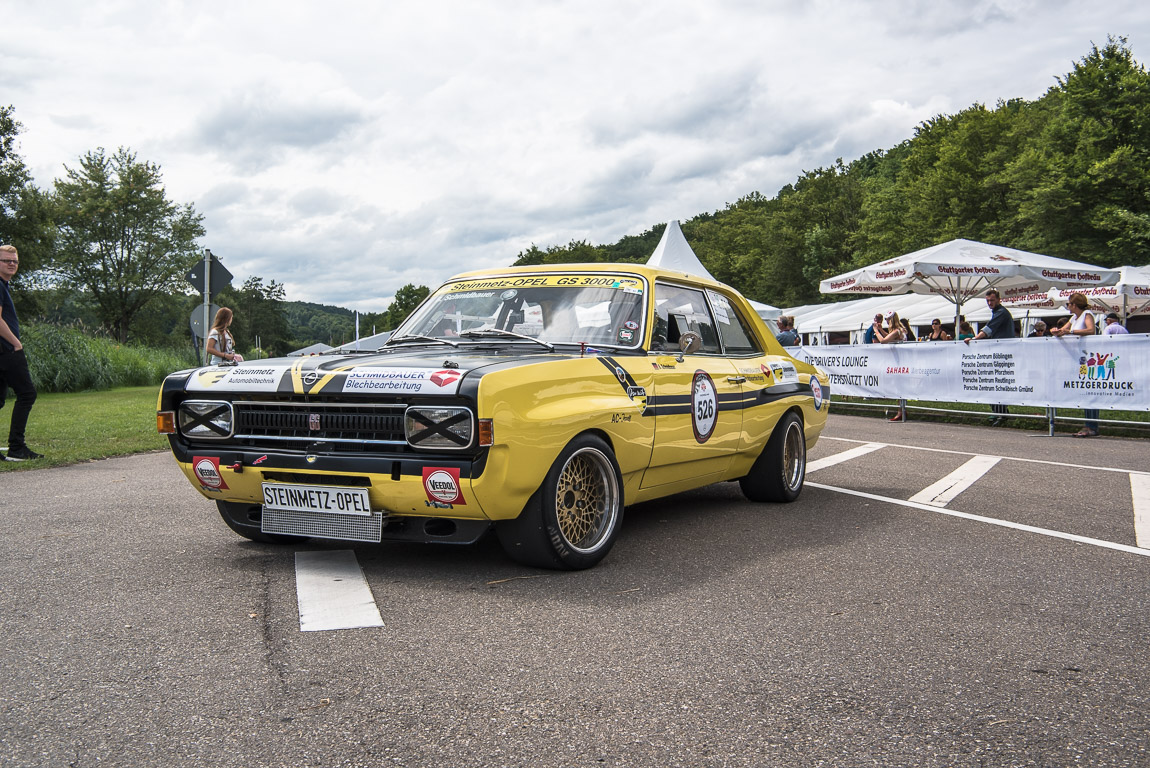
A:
{"points": [[1098, 372]]}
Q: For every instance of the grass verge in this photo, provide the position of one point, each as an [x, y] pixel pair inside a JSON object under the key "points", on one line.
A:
{"points": [[81, 426]]}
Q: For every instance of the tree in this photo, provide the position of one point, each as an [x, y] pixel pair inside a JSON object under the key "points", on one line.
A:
{"points": [[259, 313], [24, 213], [120, 239], [406, 300]]}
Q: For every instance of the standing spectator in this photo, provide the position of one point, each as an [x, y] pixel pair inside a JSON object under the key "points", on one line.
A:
{"points": [[221, 345], [14, 372], [965, 331], [787, 334], [1000, 326], [895, 332], [1081, 323], [937, 332], [1114, 326], [1039, 331], [875, 329]]}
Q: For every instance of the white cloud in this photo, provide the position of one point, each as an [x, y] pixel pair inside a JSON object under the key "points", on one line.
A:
{"points": [[349, 149]]}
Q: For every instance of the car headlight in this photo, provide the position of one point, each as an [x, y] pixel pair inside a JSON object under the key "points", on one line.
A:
{"points": [[206, 419], [431, 427]]}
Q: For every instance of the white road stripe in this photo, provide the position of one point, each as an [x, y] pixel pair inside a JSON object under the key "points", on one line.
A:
{"points": [[990, 520], [332, 592], [1007, 458], [839, 458], [943, 492], [1140, 493]]}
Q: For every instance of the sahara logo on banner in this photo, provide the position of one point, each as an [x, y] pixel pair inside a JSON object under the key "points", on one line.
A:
{"points": [[1099, 370]]}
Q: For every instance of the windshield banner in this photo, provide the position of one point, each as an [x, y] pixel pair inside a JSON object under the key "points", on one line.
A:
{"points": [[1105, 372], [626, 283]]}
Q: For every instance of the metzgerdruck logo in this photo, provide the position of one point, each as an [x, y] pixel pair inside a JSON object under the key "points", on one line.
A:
{"points": [[1099, 370]]}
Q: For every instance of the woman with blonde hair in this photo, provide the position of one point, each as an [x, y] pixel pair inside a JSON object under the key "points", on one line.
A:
{"points": [[1081, 323], [895, 332], [221, 345]]}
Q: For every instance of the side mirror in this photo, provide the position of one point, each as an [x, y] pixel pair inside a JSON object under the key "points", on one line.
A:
{"points": [[689, 343]]}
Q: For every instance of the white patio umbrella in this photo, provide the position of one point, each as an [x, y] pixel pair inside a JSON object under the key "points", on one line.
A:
{"points": [[1129, 296], [962, 269]]}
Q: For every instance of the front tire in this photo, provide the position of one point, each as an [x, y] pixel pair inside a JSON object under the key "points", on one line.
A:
{"points": [[781, 469], [244, 519], [573, 520]]}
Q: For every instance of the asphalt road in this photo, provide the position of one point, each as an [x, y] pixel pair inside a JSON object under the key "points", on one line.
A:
{"points": [[851, 628]]}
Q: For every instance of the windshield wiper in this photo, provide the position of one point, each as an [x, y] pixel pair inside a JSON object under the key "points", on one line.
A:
{"points": [[417, 337], [511, 334]]}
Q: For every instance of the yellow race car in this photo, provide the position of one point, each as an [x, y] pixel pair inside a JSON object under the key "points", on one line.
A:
{"points": [[539, 401]]}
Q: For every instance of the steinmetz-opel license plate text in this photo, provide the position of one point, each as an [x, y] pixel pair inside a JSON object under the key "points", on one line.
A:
{"points": [[317, 498]]}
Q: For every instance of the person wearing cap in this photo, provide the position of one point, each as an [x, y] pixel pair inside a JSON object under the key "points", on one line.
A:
{"points": [[1081, 323], [1039, 331], [874, 329], [895, 333], [1114, 325], [1000, 326]]}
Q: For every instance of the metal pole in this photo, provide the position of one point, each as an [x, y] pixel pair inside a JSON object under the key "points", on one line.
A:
{"points": [[207, 300]]}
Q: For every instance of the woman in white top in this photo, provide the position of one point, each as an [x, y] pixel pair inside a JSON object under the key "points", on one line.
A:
{"points": [[221, 345], [895, 333], [1081, 323]]}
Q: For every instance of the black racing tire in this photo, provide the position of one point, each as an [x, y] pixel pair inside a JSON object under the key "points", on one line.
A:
{"points": [[573, 520], [781, 469], [244, 520]]}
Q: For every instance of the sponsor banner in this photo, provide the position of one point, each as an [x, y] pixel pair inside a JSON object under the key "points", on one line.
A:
{"points": [[265, 378], [253, 378], [1106, 372], [627, 283], [407, 381]]}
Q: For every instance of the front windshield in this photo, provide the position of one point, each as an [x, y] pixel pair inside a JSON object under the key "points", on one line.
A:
{"points": [[560, 309]]}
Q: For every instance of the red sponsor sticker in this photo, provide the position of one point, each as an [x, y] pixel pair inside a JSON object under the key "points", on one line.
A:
{"points": [[445, 377], [207, 469], [442, 485]]}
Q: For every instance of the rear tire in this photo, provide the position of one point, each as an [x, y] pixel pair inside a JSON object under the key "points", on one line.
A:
{"points": [[244, 519], [573, 520], [781, 469]]}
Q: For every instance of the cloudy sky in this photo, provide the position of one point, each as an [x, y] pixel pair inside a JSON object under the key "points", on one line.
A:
{"points": [[348, 148]]}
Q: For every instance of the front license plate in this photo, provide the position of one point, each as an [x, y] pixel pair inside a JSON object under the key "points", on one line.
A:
{"points": [[317, 498]]}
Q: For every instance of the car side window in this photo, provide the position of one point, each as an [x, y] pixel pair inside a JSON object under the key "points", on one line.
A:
{"points": [[737, 336], [679, 309]]}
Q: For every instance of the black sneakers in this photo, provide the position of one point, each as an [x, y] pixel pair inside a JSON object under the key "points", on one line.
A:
{"points": [[23, 454]]}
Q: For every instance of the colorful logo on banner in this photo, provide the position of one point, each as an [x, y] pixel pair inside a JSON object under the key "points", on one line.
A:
{"points": [[1097, 366]]}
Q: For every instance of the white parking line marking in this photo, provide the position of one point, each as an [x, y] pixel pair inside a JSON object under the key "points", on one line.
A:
{"points": [[332, 592], [943, 492], [1140, 493], [990, 520], [1006, 458], [839, 458]]}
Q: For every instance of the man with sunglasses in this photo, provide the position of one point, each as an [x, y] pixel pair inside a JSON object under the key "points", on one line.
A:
{"points": [[14, 373]]}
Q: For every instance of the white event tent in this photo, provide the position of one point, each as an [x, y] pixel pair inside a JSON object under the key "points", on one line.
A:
{"points": [[674, 253], [961, 270]]}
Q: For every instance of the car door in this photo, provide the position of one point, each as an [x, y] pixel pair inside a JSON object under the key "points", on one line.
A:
{"points": [[697, 396]]}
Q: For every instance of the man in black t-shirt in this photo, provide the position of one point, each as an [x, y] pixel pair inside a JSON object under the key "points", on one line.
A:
{"points": [[14, 373]]}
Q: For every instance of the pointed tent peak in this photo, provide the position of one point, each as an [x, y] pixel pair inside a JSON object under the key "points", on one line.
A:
{"points": [[674, 253]]}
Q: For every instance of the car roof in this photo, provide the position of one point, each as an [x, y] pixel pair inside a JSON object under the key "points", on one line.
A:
{"points": [[651, 273]]}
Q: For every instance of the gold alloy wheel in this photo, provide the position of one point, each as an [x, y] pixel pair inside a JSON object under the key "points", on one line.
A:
{"points": [[794, 456], [587, 499]]}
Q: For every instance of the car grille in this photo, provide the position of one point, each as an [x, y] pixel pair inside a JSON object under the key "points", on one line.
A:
{"points": [[348, 428]]}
